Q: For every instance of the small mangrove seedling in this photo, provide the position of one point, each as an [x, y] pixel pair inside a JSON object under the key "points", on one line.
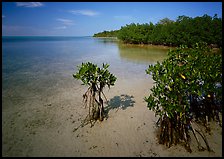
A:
{"points": [[96, 78]]}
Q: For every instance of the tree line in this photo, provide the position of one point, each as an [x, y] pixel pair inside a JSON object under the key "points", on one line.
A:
{"points": [[184, 31], [112, 33]]}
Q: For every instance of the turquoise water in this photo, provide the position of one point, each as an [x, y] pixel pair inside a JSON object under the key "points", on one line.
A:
{"points": [[31, 65]]}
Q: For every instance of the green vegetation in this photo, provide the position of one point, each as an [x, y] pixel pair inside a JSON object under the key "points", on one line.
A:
{"points": [[112, 33], [186, 91], [183, 31], [96, 78]]}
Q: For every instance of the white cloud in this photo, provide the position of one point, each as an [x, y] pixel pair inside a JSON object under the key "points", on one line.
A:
{"points": [[29, 4], [84, 12], [66, 22], [123, 17]]}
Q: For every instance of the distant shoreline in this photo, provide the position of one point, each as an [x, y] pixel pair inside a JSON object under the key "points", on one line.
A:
{"points": [[105, 37], [148, 45], [139, 45]]}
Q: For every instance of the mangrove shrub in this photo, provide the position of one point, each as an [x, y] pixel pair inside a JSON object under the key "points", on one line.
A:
{"points": [[187, 90], [96, 78]]}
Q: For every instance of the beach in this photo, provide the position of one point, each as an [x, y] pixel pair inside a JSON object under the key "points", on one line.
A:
{"points": [[43, 124]]}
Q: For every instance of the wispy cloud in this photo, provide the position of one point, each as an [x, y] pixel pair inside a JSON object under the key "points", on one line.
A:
{"points": [[29, 4], [3, 16], [84, 12], [123, 17], [65, 22]]}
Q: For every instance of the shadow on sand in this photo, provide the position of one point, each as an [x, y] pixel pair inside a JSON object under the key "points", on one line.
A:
{"points": [[119, 102]]}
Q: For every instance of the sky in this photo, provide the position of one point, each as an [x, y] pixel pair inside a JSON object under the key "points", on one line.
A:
{"points": [[87, 18]]}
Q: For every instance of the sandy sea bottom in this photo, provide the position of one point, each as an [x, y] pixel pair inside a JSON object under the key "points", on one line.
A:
{"points": [[42, 124]]}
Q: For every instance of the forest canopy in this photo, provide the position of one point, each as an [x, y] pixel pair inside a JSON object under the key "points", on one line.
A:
{"points": [[184, 31]]}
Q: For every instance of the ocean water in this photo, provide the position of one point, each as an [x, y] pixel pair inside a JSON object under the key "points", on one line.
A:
{"points": [[31, 65]]}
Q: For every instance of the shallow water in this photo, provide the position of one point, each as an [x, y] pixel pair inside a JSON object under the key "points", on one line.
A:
{"points": [[35, 65]]}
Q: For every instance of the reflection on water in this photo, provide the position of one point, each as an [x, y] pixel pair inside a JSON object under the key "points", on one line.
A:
{"points": [[135, 53], [142, 54], [108, 40]]}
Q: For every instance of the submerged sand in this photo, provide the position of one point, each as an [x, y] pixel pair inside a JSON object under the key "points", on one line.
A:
{"points": [[42, 125]]}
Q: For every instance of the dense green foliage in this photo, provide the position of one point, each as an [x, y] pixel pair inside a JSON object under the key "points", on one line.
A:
{"points": [[183, 31], [91, 74], [187, 74], [113, 33], [96, 78]]}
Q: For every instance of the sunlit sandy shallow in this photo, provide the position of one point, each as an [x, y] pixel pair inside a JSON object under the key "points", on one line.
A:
{"points": [[42, 103]]}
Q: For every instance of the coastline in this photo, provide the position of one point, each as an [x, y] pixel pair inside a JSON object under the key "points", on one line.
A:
{"points": [[138, 45], [212, 46], [147, 46], [104, 37]]}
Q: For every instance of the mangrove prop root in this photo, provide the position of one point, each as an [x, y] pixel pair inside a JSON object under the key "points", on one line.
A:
{"points": [[200, 132], [85, 122], [200, 148], [187, 145], [173, 131], [95, 107]]}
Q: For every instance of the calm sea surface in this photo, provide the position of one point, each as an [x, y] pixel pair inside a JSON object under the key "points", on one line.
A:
{"points": [[31, 65]]}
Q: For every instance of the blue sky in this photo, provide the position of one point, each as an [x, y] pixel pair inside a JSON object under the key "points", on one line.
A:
{"points": [[87, 18]]}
